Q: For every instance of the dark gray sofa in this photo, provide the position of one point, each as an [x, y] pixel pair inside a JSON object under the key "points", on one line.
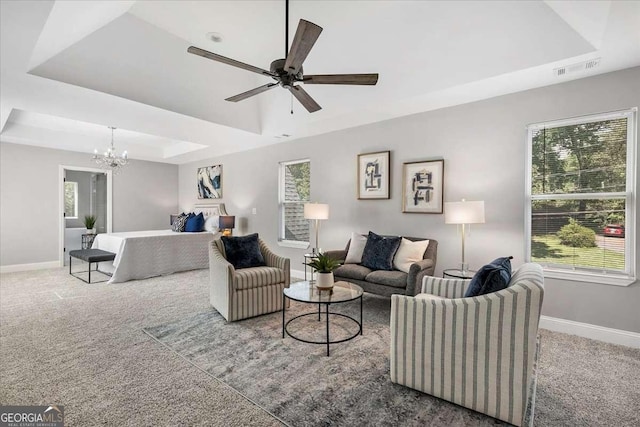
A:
{"points": [[383, 282]]}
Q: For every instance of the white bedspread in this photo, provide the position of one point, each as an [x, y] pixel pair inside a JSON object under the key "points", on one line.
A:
{"points": [[143, 254]]}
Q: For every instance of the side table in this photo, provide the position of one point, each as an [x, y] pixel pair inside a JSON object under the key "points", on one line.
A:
{"points": [[456, 273]]}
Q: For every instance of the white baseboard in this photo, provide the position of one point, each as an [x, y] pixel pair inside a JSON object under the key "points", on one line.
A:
{"points": [[298, 274], [594, 332], [29, 267]]}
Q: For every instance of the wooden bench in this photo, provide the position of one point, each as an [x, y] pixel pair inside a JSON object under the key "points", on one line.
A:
{"points": [[91, 256]]}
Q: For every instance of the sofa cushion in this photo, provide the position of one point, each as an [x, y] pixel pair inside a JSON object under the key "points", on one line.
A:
{"points": [[492, 277], [379, 251], [255, 277], [352, 271], [244, 251], [394, 278], [356, 248], [408, 253]]}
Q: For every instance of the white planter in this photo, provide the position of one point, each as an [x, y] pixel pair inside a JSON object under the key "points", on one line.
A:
{"points": [[91, 231], [325, 280]]}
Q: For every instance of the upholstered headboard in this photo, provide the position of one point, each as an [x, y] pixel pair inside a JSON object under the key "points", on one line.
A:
{"points": [[211, 212]]}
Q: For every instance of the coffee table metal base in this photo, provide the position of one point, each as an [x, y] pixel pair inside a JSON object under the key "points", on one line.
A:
{"points": [[327, 314]]}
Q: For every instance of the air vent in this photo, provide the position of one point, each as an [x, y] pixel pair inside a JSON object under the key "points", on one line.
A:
{"points": [[576, 68]]}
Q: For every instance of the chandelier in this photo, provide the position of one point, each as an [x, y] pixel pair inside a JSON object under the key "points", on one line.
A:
{"points": [[110, 160]]}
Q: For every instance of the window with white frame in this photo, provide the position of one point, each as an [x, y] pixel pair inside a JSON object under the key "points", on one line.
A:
{"points": [[294, 192], [70, 200], [580, 197]]}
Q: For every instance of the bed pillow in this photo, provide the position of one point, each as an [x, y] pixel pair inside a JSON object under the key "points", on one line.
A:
{"points": [[408, 253], [243, 251], [379, 252], [356, 248], [492, 277], [195, 223], [180, 222]]}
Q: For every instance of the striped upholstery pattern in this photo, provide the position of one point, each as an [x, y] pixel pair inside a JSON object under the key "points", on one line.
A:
{"points": [[256, 277], [248, 292], [476, 352]]}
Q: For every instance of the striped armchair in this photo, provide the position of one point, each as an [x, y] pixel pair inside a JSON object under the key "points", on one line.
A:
{"points": [[247, 292], [477, 352]]}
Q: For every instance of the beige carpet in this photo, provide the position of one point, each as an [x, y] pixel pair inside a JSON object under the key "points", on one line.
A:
{"points": [[82, 346]]}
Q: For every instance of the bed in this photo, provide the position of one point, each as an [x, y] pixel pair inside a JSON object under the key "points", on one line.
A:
{"points": [[144, 254]]}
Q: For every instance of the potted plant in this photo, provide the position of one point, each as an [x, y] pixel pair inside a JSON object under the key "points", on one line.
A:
{"points": [[324, 266], [90, 223]]}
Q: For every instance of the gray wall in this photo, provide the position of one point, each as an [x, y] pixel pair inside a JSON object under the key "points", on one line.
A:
{"points": [[144, 195], [483, 145]]}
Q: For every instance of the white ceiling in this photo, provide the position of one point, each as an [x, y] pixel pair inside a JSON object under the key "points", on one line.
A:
{"points": [[72, 68]]}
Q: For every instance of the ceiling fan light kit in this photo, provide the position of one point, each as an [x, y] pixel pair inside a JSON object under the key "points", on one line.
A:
{"points": [[288, 72]]}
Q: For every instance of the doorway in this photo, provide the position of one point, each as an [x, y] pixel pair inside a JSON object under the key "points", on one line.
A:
{"points": [[84, 192]]}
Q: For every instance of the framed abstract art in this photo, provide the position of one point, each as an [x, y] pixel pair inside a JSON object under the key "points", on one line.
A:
{"points": [[210, 182], [422, 187], [374, 175]]}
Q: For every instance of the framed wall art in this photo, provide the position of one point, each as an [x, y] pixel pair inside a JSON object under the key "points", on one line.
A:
{"points": [[374, 175], [210, 182], [422, 187]]}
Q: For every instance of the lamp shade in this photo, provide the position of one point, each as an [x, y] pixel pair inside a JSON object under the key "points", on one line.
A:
{"points": [[226, 222], [464, 212], [316, 211]]}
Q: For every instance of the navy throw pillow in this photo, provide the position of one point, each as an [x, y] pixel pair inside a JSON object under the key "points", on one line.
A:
{"points": [[379, 252], [492, 277], [243, 251], [195, 223]]}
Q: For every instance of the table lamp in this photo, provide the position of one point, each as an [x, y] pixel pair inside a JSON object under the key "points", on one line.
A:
{"points": [[464, 213], [226, 223], [317, 212]]}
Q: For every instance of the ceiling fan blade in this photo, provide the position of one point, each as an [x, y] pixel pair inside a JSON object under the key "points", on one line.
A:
{"points": [[306, 36], [341, 79], [252, 92], [305, 99], [219, 58]]}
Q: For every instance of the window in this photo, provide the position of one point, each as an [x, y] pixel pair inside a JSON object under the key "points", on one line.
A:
{"points": [[580, 193], [294, 190], [70, 200]]}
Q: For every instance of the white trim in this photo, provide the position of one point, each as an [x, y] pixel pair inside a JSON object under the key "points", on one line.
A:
{"points": [[603, 278], [29, 267], [293, 244], [576, 120], [61, 220], [594, 332]]}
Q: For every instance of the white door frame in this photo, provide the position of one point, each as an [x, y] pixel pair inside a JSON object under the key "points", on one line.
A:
{"points": [[61, 220]]}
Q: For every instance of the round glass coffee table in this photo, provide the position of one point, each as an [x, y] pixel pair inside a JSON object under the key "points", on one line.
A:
{"points": [[307, 293]]}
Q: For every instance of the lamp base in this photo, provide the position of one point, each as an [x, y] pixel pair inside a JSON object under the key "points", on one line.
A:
{"points": [[464, 267], [227, 232]]}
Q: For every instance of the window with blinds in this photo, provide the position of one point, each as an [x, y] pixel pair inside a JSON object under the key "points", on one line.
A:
{"points": [[294, 192], [580, 194]]}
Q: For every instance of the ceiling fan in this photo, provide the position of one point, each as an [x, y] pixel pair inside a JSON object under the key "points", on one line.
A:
{"points": [[287, 72]]}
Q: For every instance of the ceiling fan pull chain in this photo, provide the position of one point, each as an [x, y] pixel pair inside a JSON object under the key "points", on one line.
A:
{"points": [[291, 103]]}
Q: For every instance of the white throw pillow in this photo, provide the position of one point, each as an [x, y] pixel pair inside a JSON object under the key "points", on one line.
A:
{"points": [[356, 248], [408, 253]]}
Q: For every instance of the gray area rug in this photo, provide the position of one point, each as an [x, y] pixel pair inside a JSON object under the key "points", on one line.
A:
{"points": [[299, 384]]}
